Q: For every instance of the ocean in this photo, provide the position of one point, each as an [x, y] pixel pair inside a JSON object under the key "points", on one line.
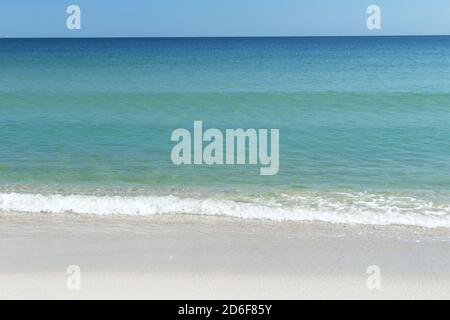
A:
{"points": [[364, 122]]}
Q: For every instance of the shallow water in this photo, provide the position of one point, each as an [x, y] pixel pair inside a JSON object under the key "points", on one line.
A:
{"points": [[364, 126]]}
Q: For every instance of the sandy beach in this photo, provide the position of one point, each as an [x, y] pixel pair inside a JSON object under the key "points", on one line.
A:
{"points": [[168, 167], [188, 257]]}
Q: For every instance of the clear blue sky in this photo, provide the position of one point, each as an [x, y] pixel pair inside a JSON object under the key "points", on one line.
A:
{"points": [[167, 18]]}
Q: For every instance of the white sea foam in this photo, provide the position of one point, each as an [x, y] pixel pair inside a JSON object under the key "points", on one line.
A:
{"points": [[350, 208]]}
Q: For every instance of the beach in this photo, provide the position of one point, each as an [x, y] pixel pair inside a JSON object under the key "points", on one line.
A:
{"points": [[107, 167], [191, 257]]}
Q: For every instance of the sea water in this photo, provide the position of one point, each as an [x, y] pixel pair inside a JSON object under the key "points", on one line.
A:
{"points": [[364, 126]]}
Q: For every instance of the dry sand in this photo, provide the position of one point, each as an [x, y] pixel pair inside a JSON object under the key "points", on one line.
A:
{"points": [[186, 257]]}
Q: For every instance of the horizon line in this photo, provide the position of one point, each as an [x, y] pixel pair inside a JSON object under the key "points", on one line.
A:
{"points": [[210, 37]]}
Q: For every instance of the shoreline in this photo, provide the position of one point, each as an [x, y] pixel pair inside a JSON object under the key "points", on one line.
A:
{"points": [[351, 208], [201, 257]]}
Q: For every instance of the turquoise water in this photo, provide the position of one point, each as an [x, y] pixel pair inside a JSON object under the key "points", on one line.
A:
{"points": [[363, 120]]}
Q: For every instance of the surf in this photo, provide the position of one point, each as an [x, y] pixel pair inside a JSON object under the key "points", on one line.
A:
{"points": [[337, 207]]}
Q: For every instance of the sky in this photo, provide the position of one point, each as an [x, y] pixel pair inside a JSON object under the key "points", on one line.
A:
{"points": [[200, 18]]}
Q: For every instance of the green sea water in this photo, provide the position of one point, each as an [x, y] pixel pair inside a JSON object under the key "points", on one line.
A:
{"points": [[364, 125]]}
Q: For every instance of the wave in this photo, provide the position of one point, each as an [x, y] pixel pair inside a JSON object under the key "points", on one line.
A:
{"points": [[338, 207]]}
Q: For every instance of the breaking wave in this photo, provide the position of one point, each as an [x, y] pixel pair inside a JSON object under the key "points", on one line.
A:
{"points": [[333, 207]]}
